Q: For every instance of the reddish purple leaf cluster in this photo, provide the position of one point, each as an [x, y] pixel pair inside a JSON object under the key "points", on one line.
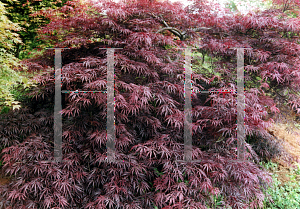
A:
{"points": [[149, 109]]}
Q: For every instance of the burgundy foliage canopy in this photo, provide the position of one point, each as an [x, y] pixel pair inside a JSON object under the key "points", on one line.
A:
{"points": [[149, 108]]}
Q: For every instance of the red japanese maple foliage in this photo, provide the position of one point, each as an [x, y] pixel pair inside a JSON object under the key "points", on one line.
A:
{"points": [[149, 108]]}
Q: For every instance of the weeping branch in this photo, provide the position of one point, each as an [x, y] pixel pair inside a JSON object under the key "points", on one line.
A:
{"points": [[201, 28], [175, 31]]}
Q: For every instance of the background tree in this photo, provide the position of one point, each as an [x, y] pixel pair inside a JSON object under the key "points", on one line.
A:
{"points": [[9, 77], [149, 113], [287, 6], [22, 12]]}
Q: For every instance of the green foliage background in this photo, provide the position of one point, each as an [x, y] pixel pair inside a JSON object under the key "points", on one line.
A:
{"points": [[8, 61], [18, 41]]}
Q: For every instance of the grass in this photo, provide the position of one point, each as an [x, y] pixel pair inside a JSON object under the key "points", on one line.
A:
{"points": [[285, 191]]}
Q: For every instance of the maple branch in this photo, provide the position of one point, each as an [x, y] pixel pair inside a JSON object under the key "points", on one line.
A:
{"points": [[201, 28], [286, 5], [169, 59], [175, 31]]}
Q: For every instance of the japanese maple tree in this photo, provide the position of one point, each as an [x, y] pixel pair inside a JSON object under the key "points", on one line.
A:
{"points": [[149, 108]]}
